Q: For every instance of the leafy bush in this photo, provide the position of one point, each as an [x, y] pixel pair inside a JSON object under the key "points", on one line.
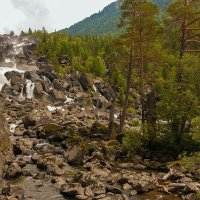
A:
{"points": [[132, 142], [191, 163], [195, 132]]}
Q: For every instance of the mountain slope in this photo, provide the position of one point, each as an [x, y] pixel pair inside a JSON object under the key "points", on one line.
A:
{"points": [[104, 22]]}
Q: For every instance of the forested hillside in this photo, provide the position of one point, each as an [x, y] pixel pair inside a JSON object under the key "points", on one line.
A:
{"points": [[104, 22]]}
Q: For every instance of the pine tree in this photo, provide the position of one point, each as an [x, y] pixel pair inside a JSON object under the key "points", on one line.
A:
{"points": [[139, 19], [186, 15]]}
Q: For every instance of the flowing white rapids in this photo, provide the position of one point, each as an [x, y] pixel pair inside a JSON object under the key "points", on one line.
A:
{"points": [[27, 90], [11, 65]]}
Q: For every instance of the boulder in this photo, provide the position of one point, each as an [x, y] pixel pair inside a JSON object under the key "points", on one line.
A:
{"points": [[74, 156], [85, 82], [11, 74], [48, 159], [56, 95], [13, 192], [55, 170], [47, 74], [13, 171], [113, 189], [22, 145], [58, 86], [72, 190], [38, 90], [29, 121], [64, 59]]}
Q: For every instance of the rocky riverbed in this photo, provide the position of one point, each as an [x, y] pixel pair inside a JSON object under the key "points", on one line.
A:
{"points": [[60, 146]]}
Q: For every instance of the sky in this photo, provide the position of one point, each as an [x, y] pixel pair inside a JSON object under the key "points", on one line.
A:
{"points": [[19, 15]]}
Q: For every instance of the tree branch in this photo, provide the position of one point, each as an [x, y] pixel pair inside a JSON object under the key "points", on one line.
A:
{"points": [[193, 21], [191, 36], [193, 50]]}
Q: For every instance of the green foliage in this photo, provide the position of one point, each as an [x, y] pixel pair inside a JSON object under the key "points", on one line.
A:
{"points": [[132, 142], [177, 107], [98, 67], [85, 53], [197, 197], [195, 130], [191, 163]]}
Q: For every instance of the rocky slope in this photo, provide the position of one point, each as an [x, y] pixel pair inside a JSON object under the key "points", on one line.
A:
{"points": [[60, 143]]}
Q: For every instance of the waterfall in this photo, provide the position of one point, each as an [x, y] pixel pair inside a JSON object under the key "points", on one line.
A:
{"points": [[29, 89]]}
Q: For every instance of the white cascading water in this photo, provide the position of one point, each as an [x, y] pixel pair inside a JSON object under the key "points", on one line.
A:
{"points": [[29, 89]]}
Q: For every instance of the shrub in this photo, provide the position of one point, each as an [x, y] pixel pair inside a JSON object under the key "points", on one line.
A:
{"points": [[132, 142], [191, 163], [195, 132]]}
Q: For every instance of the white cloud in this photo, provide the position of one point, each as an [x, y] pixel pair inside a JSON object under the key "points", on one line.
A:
{"points": [[19, 15], [35, 13]]}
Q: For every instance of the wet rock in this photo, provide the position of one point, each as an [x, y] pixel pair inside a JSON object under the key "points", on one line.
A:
{"points": [[11, 74], [74, 156], [126, 187], [85, 82], [38, 90], [29, 121], [89, 192], [143, 186], [99, 189], [113, 189], [30, 134], [72, 190], [48, 159], [58, 86], [43, 59], [13, 171], [40, 175], [51, 128], [13, 191], [56, 95], [47, 74], [105, 91], [136, 166], [81, 197], [22, 145], [55, 170], [100, 102]]}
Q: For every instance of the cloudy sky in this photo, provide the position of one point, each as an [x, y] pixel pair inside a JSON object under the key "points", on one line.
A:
{"points": [[53, 14]]}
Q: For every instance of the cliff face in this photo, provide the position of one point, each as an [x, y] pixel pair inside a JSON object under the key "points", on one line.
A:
{"points": [[5, 144]]}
